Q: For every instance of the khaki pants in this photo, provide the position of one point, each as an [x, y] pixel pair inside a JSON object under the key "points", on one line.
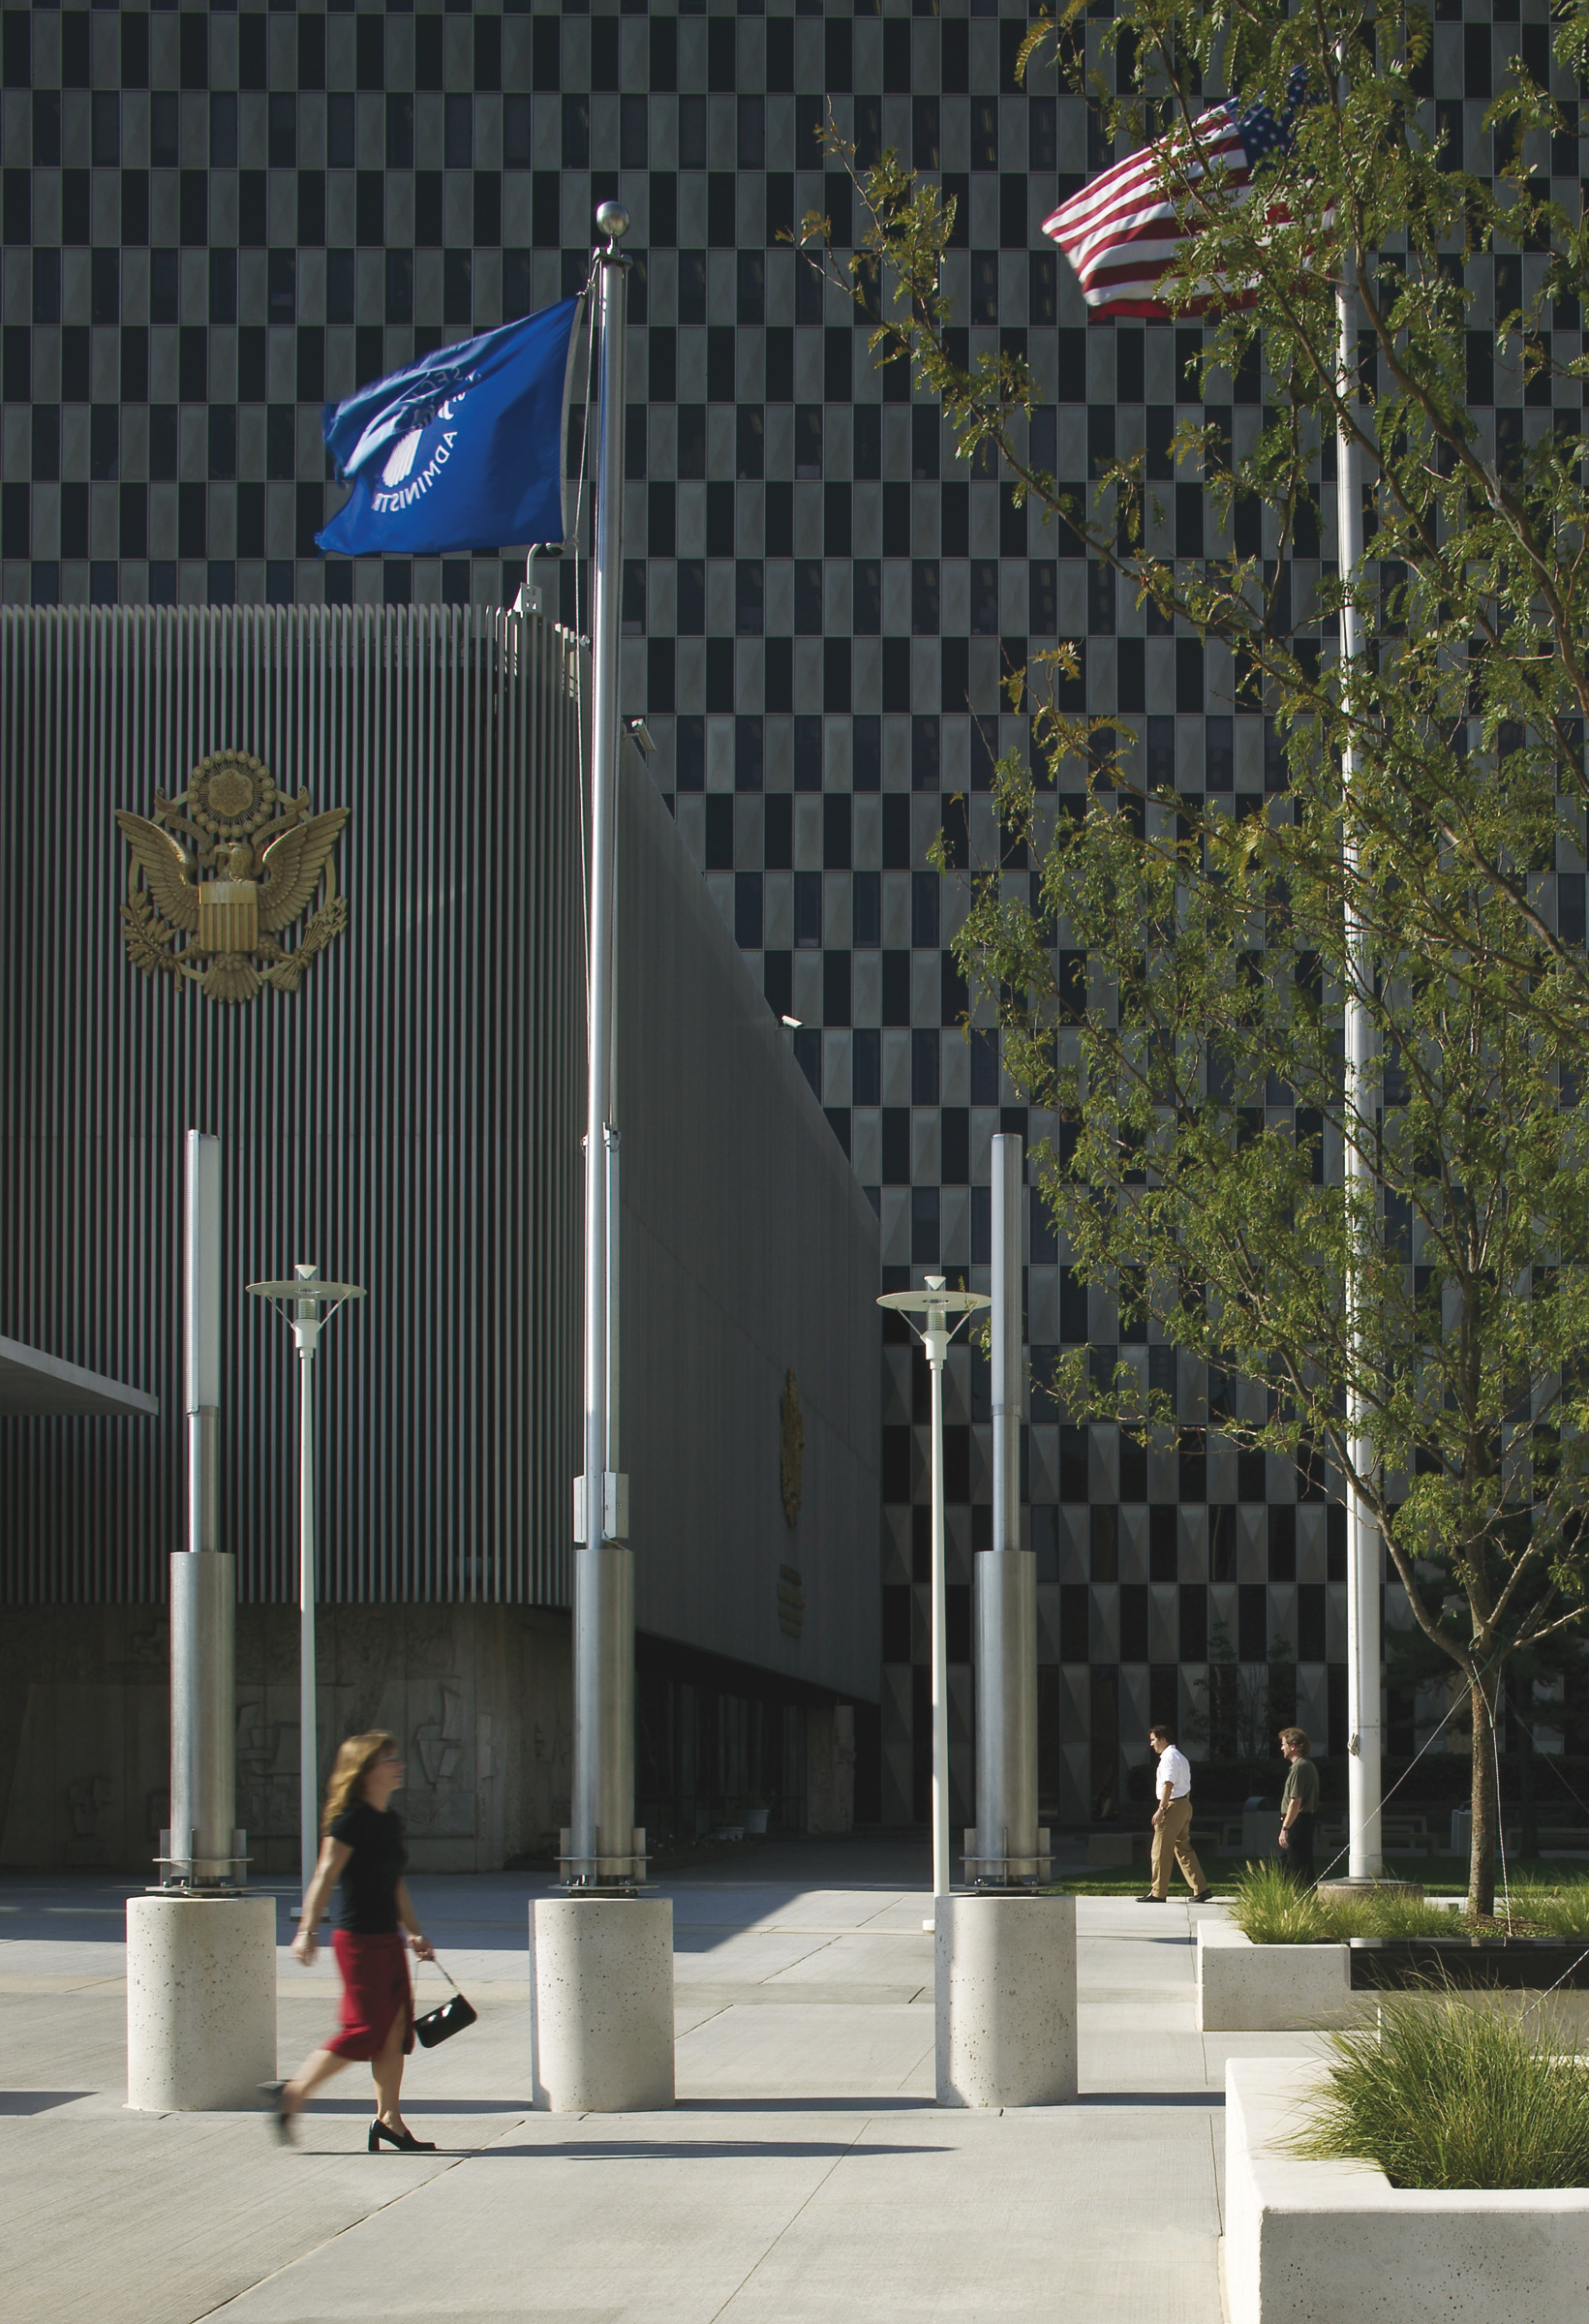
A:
{"points": [[1173, 1837]]}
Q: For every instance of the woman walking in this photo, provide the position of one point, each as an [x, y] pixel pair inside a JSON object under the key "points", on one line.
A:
{"points": [[363, 1849]]}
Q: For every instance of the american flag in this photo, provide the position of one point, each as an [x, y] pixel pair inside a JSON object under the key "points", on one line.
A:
{"points": [[1121, 233]]}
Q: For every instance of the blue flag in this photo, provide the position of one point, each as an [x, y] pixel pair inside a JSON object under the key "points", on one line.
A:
{"points": [[461, 451]]}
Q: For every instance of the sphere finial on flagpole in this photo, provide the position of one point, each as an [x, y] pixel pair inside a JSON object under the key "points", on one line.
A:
{"points": [[613, 221]]}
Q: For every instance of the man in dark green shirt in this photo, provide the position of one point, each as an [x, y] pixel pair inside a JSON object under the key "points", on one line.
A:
{"points": [[1299, 1806]]}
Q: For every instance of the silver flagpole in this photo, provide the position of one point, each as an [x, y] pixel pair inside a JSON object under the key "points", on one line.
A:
{"points": [[1365, 1846], [602, 1848]]}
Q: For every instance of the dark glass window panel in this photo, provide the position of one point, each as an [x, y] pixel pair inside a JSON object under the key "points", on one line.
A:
{"points": [[924, 441], [105, 130], [163, 128], [400, 131], [161, 441], [75, 363], [690, 595], [808, 910], [103, 442], [339, 130], [692, 133], [750, 442], [458, 132], [458, 288], [105, 287], [692, 285], [923, 132], [281, 280], [311, 52], [223, 285], [926, 891], [281, 429], [46, 296], [223, 441], [339, 286], [866, 916], [808, 598], [924, 596], [282, 130], [985, 598], [517, 131], [692, 437], [399, 301], [866, 598], [747, 917]]}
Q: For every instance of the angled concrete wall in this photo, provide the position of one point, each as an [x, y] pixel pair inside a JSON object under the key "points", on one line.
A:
{"points": [[750, 1252]]}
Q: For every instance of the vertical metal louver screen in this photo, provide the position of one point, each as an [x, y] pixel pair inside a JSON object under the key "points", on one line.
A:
{"points": [[410, 1119]]}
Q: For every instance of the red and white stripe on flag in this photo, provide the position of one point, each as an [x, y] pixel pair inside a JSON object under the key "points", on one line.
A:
{"points": [[1123, 231]]}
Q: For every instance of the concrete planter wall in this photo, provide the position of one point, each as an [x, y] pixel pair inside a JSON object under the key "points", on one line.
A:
{"points": [[1334, 2243], [1247, 1988]]}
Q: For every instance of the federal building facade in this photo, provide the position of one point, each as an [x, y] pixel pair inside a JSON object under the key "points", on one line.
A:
{"points": [[395, 1077], [216, 218]]}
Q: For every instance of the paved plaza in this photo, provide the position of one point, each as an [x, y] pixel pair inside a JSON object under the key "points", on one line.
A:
{"points": [[805, 2174]]}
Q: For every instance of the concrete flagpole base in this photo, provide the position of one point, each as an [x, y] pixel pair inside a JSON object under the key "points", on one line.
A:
{"points": [[1005, 1997], [200, 2002], [601, 2004]]}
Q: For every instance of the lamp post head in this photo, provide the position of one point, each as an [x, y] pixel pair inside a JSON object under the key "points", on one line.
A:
{"points": [[943, 1311], [302, 1295]]}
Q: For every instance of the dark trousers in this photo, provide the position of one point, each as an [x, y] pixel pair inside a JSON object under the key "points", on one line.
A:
{"points": [[1296, 1856]]}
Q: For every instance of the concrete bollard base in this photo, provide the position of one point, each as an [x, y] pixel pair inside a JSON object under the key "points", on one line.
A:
{"points": [[1005, 1997], [601, 2004], [200, 2002]]}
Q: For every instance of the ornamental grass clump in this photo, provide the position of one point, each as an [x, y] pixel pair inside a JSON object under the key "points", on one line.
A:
{"points": [[1270, 1909], [1560, 1909], [1446, 2093]]}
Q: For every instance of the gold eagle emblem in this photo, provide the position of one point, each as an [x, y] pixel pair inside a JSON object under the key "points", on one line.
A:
{"points": [[791, 1447], [226, 865]]}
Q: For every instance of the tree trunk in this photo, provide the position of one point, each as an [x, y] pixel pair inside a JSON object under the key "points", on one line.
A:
{"points": [[1481, 1860]]}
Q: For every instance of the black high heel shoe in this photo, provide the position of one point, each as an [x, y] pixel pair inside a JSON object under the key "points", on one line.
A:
{"points": [[403, 2140], [280, 2121]]}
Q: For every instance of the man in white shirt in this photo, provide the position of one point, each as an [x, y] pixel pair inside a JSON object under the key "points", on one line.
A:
{"points": [[1172, 1821]]}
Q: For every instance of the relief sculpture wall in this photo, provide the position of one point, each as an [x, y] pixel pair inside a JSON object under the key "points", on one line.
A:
{"points": [[478, 1696]]}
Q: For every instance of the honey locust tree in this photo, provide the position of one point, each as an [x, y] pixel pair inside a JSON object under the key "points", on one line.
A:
{"points": [[1408, 863]]}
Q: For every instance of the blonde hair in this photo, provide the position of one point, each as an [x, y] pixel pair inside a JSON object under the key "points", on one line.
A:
{"points": [[1297, 1739], [355, 1759]]}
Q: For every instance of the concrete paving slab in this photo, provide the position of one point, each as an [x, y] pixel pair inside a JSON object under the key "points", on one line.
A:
{"points": [[805, 2176], [825, 2050], [746, 1954], [866, 1958]]}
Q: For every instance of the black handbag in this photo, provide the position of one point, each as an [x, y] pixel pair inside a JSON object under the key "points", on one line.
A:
{"points": [[449, 2018]]}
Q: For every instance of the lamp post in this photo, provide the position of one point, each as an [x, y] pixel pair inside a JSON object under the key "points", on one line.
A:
{"points": [[943, 1312], [302, 1299]]}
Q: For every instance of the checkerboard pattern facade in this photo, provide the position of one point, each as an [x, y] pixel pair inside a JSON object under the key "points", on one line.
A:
{"points": [[216, 218]]}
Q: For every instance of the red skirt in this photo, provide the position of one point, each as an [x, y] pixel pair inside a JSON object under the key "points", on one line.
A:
{"points": [[375, 1989]]}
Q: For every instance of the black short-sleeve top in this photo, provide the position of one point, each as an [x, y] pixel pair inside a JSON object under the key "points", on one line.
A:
{"points": [[371, 1874]]}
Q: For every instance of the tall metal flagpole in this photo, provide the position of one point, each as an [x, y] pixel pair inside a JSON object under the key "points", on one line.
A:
{"points": [[306, 1331], [1364, 1844], [601, 1850]]}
